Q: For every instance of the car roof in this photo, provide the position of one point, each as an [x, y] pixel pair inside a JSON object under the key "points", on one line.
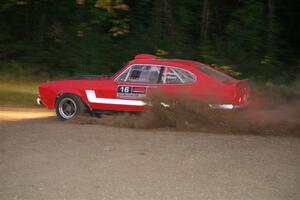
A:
{"points": [[186, 64], [150, 59]]}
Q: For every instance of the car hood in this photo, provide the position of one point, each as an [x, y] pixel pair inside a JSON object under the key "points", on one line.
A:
{"points": [[88, 77], [74, 81]]}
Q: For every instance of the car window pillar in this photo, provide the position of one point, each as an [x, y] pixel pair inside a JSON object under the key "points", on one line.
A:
{"points": [[128, 74], [161, 71]]}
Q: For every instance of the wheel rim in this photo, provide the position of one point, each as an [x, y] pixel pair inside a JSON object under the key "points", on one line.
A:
{"points": [[67, 108]]}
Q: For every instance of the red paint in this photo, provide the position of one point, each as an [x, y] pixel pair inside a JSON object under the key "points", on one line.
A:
{"points": [[205, 88], [145, 56]]}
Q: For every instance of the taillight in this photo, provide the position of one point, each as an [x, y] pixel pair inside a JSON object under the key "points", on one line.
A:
{"points": [[240, 100]]}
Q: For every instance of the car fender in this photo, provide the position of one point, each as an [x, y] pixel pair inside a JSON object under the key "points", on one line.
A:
{"points": [[76, 92]]}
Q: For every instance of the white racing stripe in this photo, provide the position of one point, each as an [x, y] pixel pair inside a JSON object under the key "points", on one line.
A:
{"points": [[91, 95]]}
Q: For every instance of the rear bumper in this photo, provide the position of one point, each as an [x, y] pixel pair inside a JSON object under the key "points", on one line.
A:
{"points": [[227, 106]]}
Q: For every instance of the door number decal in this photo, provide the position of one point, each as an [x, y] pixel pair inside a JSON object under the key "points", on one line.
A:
{"points": [[124, 89], [131, 91]]}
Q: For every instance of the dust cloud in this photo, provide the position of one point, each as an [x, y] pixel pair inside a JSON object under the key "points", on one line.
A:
{"points": [[271, 113]]}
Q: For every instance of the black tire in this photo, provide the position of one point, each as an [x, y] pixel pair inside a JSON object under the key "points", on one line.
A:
{"points": [[68, 106]]}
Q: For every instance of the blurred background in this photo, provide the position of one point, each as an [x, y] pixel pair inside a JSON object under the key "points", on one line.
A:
{"points": [[42, 40]]}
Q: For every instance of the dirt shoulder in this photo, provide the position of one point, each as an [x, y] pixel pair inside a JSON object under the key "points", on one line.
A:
{"points": [[17, 113]]}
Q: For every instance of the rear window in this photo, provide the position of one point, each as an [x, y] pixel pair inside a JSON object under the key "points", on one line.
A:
{"points": [[214, 74]]}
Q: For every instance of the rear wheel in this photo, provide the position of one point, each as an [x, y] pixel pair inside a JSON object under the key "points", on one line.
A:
{"points": [[68, 106]]}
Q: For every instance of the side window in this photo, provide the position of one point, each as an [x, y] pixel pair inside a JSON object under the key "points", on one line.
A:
{"points": [[170, 77], [186, 76], [141, 74], [174, 75]]}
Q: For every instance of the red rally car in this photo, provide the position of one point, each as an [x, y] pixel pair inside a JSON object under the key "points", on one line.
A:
{"points": [[127, 90]]}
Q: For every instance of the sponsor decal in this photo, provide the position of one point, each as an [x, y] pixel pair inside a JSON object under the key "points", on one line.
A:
{"points": [[92, 98], [131, 92], [139, 90]]}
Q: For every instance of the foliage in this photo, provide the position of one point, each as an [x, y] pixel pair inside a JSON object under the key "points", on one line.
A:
{"points": [[50, 38], [228, 70], [161, 53]]}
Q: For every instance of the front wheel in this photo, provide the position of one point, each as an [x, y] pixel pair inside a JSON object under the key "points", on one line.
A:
{"points": [[67, 106]]}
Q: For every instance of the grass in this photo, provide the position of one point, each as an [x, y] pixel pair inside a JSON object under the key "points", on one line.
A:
{"points": [[20, 93]]}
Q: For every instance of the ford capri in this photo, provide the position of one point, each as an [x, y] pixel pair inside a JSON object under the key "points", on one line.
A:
{"points": [[128, 90]]}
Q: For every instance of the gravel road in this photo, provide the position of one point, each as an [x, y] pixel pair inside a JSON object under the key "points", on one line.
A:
{"points": [[53, 160]]}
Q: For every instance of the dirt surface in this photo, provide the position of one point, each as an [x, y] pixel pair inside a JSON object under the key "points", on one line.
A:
{"points": [[17, 113], [52, 160]]}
